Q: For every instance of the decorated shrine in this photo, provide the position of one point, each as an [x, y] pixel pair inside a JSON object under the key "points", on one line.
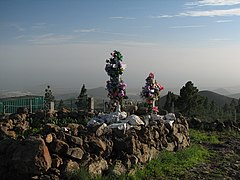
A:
{"points": [[151, 93], [115, 85]]}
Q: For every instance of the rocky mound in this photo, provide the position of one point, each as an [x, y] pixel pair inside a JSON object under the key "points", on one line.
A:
{"points": [[57, 151]]}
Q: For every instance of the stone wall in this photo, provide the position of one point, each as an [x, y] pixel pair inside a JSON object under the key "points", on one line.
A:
{"points": [[56, 151]]}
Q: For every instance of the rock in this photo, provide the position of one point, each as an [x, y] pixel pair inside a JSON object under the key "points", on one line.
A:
{"points": [[7, 129], [126, 161], [70, 166], [22, 126], [48, 138], [155, 117], [134, 120], [133, 159], [76, 153], [59, 147], [97, 167], [123, 115], [170, 146], [86, 159], [51, 128], [26, 158], [119, 129], [179, 137], [61, 135], [101, 130], [4, 145], [145, 153], [170, 117], [73, 128], [97, 146], [49, 177], [153, 153], [122, 145], [132, 172], [195, 123], [186, 142], [73, 140], [119, 168], [56, 161], [54, 171], [82, 131]]}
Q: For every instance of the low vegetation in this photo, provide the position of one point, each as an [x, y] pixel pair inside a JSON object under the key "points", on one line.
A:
{"points": [[203, 137], [173, 165]]}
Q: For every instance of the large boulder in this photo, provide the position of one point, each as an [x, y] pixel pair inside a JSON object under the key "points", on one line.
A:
{"points": [[24, 158]]}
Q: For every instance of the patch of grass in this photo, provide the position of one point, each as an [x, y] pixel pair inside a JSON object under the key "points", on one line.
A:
{"points": [[199, 136], [79, 174], [170, 164]]}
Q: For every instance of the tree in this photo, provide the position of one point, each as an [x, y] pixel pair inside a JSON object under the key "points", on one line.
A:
{"points": [[238, 106], [82, 102], [212, 106], [61, 105], [233, 105], [226, 108], [206, 104], [48, 98], [189, 100], [170, 100]]}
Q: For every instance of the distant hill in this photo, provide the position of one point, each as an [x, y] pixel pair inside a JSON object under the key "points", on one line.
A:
{"points": [[217, 98], [222, 91], [102, 93], [236, 96], [6, 94], [66, 96], [99, 92]]}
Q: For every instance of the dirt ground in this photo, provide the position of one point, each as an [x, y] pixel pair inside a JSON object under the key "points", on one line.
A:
{"points": [[223, 164]]}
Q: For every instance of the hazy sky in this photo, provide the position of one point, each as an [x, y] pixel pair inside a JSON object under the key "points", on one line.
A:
{"points": [[65, 43]]}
